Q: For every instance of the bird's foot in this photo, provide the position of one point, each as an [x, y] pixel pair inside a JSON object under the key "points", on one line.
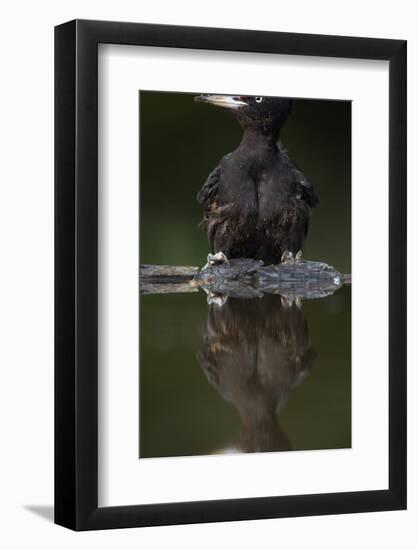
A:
{"points": [[216, 259], [287, 256]]}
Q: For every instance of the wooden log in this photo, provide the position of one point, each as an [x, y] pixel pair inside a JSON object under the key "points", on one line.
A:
{"points": [[246, 278], [167, 279], [168, 271]]}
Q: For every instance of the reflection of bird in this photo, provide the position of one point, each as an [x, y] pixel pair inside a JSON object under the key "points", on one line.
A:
{"points": [[256, 201], [254, 353]]}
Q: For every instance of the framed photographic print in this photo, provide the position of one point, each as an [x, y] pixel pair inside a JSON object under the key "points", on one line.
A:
{"points": [[230, 275]]}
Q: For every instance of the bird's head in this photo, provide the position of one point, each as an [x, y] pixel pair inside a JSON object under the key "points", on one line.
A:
{"points": [[258, 112]]}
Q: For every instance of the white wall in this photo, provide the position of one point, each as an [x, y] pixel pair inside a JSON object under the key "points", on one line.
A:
{"points": [[26, 301]]}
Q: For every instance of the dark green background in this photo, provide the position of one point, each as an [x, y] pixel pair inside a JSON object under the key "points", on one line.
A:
{"points": [[180, 143]]}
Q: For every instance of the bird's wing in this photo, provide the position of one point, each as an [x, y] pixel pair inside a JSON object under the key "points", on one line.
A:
{"points": [[209, 190], [303, 187]]}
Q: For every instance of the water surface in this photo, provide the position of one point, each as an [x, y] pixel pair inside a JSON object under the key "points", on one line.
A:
{"points": [[252, 375]]}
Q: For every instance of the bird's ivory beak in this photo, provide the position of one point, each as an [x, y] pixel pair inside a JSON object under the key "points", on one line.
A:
{"points": [[226, 101]]}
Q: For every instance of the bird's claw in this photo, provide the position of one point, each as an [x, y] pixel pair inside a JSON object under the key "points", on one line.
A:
{"points": [[216, 259], [288, 256]]}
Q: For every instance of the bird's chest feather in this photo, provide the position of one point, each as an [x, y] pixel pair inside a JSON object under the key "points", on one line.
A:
{"points": [[238, 189], [274, 196], [256, 195]]}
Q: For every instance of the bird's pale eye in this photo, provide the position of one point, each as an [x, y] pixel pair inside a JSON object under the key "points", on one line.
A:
{"points": [[259, 99]]}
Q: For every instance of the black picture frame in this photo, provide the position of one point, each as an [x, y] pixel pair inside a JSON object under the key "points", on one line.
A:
{"points": [[76, 272]]}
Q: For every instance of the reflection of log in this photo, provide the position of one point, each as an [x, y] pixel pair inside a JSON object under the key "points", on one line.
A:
{"points": [[166, 288], [167, 279], [246, 278]]}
